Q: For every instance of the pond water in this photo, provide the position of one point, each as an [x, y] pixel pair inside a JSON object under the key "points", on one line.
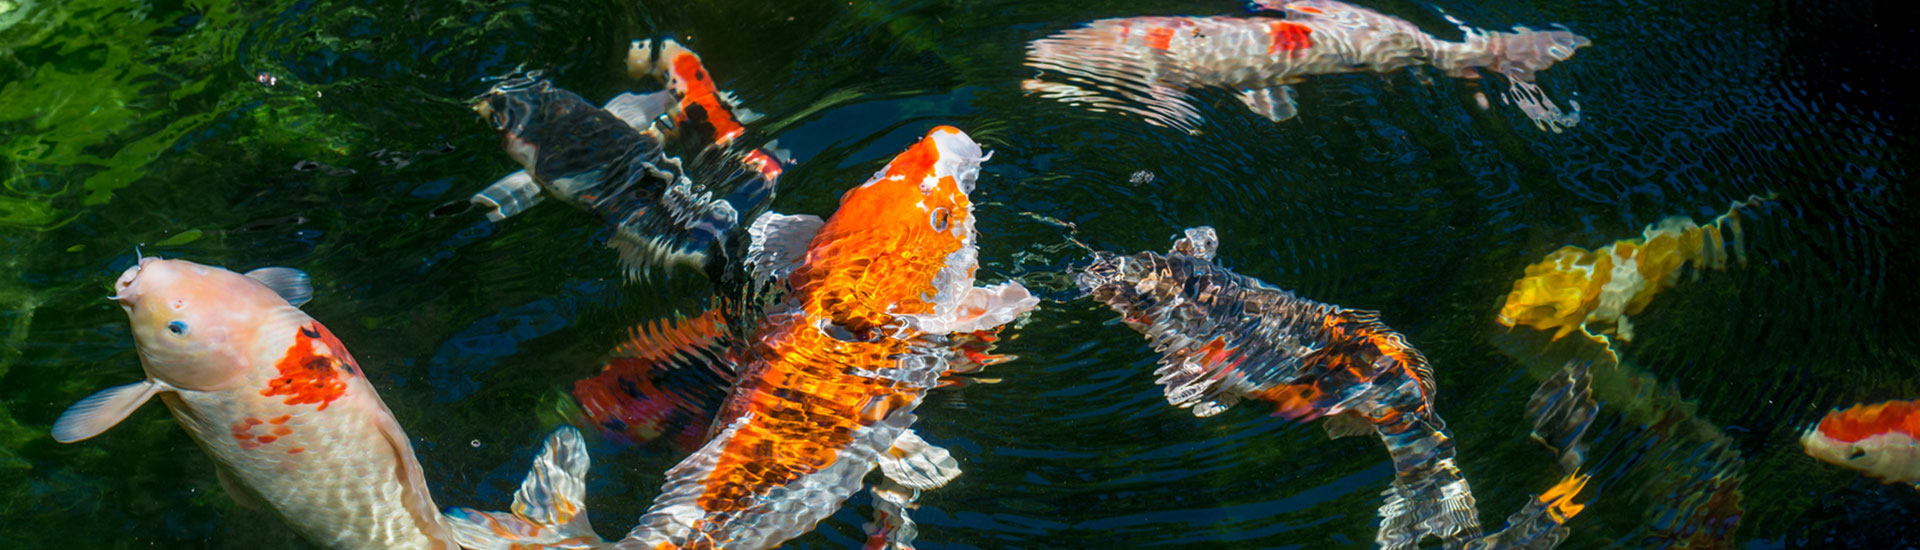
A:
{"points": [[336, 138]]}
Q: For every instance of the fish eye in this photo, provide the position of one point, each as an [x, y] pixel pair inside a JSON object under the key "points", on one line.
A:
{"points": [[1856, 454], [939, 218], [177, 327]]}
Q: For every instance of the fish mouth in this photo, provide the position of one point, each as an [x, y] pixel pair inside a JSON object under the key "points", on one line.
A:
{"points": [[123, 287]]}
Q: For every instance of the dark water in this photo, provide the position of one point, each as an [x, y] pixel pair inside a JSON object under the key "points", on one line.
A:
{"points": [[150, 124]]}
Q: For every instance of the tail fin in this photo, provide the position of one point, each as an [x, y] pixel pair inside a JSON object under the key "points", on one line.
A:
{"points": [[1518, 54], [1542, 523], [1428, 495], [548, 510]]}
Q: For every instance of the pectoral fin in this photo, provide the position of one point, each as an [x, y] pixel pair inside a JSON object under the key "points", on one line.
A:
{"points": [[511, 195], [916, 464], [291, 284], [779, 243], [985, 308], [1275, 102], [640, 110], [100, 411]]}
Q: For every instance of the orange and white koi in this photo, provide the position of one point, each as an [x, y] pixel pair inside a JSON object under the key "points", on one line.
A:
{"points": [[1577, 289], [1151, 63], [612, 161], [1223, 337], [873, 297], [1881, 440], [275, 399]]}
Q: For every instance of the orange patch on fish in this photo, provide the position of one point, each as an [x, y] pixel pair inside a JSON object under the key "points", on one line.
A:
{"points": [[1867, 420], [806, 406], [1160, 38], [1289, 37], [310, 371], [814, 386], [701, 91], [765, 164]]}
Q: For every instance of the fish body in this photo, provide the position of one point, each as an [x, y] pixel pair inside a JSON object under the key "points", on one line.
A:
{"points": [[275, 399], [613, 160], [1223, 337], [1594, 291], [875, 299], [1881, 440], [1154, 61]]}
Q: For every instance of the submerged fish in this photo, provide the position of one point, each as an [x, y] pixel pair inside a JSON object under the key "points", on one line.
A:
{"points": [[1153, 63], [1223, 337], [1881, 440], [275, 399], [1577, 289], [613, 161], [875, 299]]}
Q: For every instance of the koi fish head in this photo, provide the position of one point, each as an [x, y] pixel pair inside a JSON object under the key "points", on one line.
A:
{"points": [[1881, 440], [523, 108], [192, 322], [905, 237]]}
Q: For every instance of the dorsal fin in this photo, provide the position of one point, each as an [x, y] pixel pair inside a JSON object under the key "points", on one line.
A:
{"points": [[291, 284], [667, 380]]}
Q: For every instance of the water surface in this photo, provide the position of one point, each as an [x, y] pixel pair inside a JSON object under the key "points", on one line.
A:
{"points": [[334, 137]]}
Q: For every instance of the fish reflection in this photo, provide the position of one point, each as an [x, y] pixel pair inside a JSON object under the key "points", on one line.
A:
{"points": [[613, 161], [1149, 65], [1877, 439], [1223, 337], [872, 299]]}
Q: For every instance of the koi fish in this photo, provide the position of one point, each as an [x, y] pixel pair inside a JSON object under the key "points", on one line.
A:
{"points": [[612, 161], [275, 399], [1881, 440], [874, 299], [1577, 289], [1152, 63], [1225, 337]]}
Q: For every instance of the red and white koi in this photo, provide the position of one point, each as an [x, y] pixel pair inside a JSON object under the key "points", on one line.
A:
{"points": [[1881, 440], [875, 299], [1151, 63], [275, 399]]}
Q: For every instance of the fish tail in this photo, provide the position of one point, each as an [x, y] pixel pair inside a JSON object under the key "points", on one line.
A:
{"points": [[1542, 523], [1428, 495], [548, 510], [1517, 54]]}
